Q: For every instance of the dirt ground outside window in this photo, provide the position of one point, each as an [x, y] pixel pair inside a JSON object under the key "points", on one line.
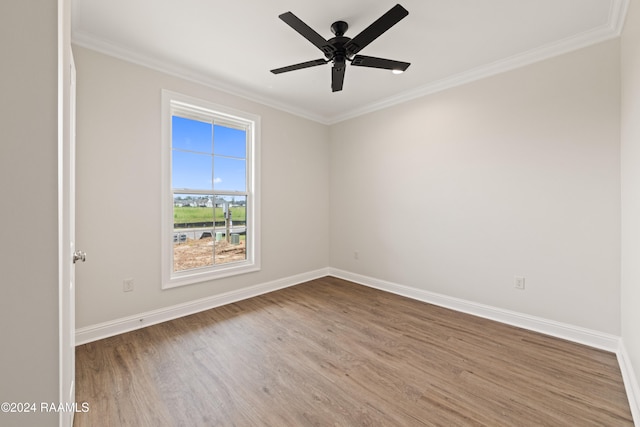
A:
{"points": [[196, 253]]}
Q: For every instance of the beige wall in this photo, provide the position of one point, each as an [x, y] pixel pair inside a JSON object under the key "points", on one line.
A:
{"points": [[454, 193], [118, 190], [29, 176], [517, 174], [631, 189]]}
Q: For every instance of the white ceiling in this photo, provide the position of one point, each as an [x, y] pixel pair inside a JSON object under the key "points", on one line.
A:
{"points": [[232, 45]]}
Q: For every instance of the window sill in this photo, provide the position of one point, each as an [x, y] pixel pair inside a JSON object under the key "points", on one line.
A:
{"points": [[191, 277]]}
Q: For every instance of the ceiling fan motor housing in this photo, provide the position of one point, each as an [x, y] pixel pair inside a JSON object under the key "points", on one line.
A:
{"points": [[339, 55]]}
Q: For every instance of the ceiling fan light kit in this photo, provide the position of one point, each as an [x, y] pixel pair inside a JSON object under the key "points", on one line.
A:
{"points": [[341, 49]]}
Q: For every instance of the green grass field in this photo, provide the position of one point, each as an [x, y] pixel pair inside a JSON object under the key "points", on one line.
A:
{"points": [[191, 214]]}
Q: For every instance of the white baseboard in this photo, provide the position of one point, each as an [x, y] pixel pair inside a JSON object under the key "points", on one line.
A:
{"points": [[561, 330], [126, 324], [549, 327], [630, 383], [573, 333]]}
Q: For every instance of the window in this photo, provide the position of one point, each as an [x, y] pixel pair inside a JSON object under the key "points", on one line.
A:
{"points": [[210, 199]]}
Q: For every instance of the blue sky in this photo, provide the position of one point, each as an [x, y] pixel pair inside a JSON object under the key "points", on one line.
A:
{"points": [[199, 164]]}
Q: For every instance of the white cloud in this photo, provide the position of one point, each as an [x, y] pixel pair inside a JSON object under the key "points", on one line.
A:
{"points": [[217, 180]]}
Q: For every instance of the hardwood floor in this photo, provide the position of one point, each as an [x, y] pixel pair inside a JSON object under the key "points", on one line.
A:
{"points": [[330, 352]]}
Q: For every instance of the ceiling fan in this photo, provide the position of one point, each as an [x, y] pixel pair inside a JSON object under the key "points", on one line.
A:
{"points": [[341, 49]]}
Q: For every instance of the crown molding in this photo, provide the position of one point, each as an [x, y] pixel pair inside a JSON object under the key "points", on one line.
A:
{"points": [[87, 41], [618, 15], [610, 30]]}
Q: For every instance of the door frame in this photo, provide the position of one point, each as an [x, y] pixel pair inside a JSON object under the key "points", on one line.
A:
{"points": [[66, 214]]}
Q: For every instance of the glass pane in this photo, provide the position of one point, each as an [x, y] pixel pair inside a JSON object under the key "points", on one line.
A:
{"points": [[190, 170], [192, 135], [193, 231], [229, 174], [230, 142], [231, 234]]}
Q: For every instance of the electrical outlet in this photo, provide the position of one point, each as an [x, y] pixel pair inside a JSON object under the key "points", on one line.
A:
{"points": [[127, 285], [356, 255], [518, 282]]}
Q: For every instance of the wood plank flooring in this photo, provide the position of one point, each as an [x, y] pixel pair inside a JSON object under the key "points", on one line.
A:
{"points": [[330, 352]]}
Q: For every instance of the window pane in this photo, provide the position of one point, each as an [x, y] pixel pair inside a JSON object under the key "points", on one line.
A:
{"points": [[193, 231], [192, 210], [191, 170], [230, 142], [230, 245], [229, 174], [192, 135]]}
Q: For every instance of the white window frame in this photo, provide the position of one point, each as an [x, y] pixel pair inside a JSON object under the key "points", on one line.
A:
{"points": [[198, 108]]}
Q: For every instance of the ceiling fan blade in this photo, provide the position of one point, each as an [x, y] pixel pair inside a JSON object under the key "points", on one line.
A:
{"points": [[373, 62], [337, 76], [373, 31], [307, 32], [299, 66]]}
